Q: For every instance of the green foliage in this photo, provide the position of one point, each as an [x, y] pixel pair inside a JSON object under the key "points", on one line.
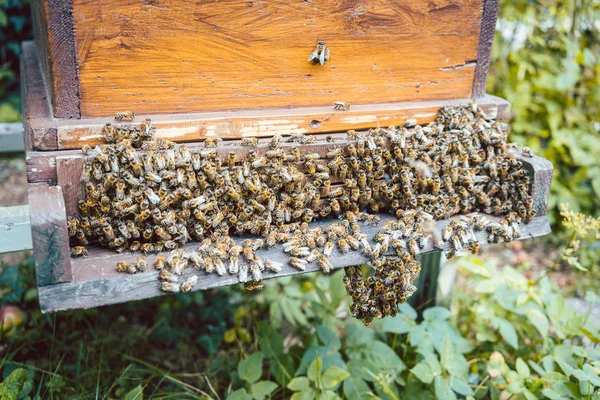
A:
{"points": [[15, 26], [546, 63]]}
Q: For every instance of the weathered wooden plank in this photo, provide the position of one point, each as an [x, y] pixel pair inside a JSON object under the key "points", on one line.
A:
{"points": [[49, 234], [54, 34], [98, 283], [266, 123], [41, 166], [38, 123], [15, 230], [180, 56], [11, 138], [484, 52], [542, 170]]}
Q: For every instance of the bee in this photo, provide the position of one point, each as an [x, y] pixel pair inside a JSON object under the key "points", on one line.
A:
{"points": [[212, 141], [254, 285], [78, 251], [170, 287], [527, 151], [125, 115], [320, 54], [147, 248], [274, 142], [298, 263], [250, 142], [189, 284], [341, 106], [141, 265]]}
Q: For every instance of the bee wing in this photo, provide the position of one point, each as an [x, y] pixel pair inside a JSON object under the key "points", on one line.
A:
{"points": [[322, 57], [314, 55]]}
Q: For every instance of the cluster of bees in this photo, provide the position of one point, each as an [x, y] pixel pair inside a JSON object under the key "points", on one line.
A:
{"points": [[146, 194]]}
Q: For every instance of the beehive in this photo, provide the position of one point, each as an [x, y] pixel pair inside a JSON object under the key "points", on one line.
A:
{"points": [[231, 69]]}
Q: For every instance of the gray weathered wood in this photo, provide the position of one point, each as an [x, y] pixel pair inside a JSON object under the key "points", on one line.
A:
{"points": [[49, 234], [11, 137], [98, 283], [15, 230], [542, 179]]}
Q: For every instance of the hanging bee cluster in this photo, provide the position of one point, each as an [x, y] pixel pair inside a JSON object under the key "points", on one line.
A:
{"points": [[165, 196]]}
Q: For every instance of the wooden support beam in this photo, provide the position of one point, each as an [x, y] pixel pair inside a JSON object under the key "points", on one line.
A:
{"points": [[96, 281], [15, 231], [11, 137], [49, 234]]}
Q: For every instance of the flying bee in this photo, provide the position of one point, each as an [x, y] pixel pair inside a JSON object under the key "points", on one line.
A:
{"points": [[125, 115], [320, 54], [341, 106]]}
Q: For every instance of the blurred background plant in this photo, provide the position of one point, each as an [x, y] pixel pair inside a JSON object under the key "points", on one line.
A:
{"points": [[15, 26], [508, 331]]}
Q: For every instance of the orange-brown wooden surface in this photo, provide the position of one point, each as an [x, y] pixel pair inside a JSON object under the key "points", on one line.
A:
{"points": [[178, 56], [73, 134]]}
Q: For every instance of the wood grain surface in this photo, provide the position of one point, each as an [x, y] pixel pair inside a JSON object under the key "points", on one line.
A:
{"points": [[38, 123], [96, 281], [54, 34], [49, 234], [266, 123], [484, 53], [177, 56], [47, 133]]}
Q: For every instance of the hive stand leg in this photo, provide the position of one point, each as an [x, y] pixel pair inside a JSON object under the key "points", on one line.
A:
{"points": [[49, 234], [427, 282]]}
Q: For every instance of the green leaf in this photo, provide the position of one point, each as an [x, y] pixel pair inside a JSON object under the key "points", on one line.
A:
{"points": [[298, 383], [137, 393], [399, 324], [442, 390], [355, 388], [385, 357], [423, 371], [269, 340], [328, 337], [508, 332], [408, 310], [460, 386], [436, 314], [239, 394], [523, 369], [333, 376], [451, 360], [282, 369], [539, 320], [262, 389], [306, 394], [250, 369], [10, 388], [315, 368]]}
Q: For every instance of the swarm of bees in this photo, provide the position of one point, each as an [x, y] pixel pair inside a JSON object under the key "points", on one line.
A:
{"points": [[147, 195]]}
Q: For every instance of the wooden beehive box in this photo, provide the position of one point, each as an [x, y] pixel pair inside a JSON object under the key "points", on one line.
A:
{"points": [[231, 69]]}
